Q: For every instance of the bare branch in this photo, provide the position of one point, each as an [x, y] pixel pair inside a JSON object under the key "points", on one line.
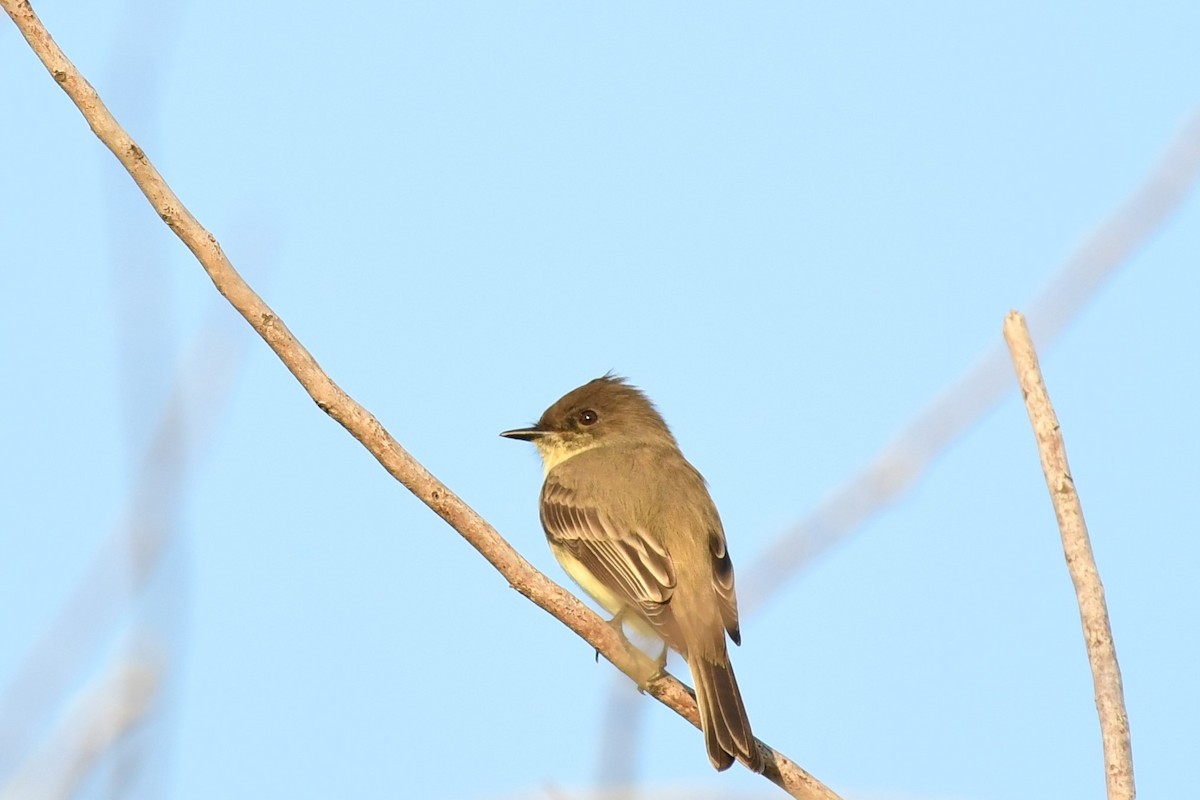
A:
{"points": [[357, 420], [902, 461], [1097, 635]]}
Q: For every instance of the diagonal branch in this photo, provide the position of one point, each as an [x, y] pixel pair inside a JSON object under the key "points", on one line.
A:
{"points": [[360, 423], [1093, 611]]}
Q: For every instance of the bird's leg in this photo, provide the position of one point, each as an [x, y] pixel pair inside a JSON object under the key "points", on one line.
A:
{"points": [[661, 661], [660, 664], [617, 623]]}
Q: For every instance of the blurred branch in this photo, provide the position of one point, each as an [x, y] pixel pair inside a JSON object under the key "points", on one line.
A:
{"points": [[129, 558], [357, 420], [901, 462], [146, 34], [620, 740], [109, 709], [1097, 635], [130, 576]]}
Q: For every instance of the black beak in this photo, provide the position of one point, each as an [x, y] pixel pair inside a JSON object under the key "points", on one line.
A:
{"points": [[524, 434]]}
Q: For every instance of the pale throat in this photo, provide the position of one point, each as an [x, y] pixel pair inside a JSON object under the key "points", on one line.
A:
{"points": [[555, 451]]}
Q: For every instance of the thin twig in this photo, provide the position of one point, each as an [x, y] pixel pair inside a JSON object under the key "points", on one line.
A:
{"points": [[1097, 635], [363, 426], [902, 461]]}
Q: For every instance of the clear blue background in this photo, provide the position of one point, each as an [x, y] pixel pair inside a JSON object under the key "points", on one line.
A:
{"points": [[792, 224]]}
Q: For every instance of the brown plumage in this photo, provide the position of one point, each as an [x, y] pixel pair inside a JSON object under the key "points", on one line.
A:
{"points": [[632, 522]]}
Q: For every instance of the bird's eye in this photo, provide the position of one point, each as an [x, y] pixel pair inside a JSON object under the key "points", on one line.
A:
{"points": [[588, 417]]}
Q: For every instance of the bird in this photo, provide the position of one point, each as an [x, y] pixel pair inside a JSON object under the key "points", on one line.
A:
{"points": [[631, 521]]}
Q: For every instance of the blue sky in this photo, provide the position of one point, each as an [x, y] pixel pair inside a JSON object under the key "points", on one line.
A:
{"points": [[792, 224]]}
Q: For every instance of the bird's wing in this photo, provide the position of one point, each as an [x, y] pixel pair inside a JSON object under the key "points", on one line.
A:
{"points": [[723, 584], [626, 561]]}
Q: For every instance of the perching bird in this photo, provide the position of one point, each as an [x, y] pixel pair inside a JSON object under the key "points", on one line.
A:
{"points": [[631, 521]]}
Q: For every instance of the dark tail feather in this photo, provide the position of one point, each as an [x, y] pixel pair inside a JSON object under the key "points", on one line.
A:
{"points": [[723, 717]]}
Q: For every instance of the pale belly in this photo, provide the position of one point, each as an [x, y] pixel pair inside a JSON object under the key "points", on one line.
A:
{"points": [[609, 600]]}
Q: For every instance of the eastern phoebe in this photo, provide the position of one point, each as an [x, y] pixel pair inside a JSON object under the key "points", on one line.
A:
{"points": [[632, 523]]}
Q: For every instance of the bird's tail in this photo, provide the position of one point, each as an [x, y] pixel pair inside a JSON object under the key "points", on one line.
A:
{"points": [[722, 715]]}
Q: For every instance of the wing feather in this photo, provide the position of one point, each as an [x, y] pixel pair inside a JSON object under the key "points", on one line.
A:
{"points": [[623, 559], [723, 585]]}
